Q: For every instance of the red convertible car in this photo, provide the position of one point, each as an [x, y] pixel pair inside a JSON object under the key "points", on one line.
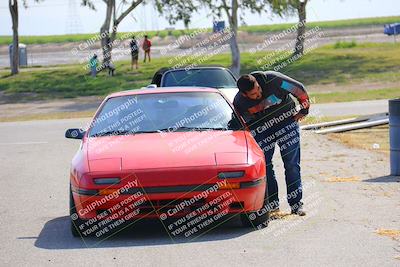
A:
{"points": [[165, 153]]}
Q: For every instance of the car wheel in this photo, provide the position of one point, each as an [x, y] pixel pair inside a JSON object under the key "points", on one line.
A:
{"points": [[74, 224], [257, 219]]}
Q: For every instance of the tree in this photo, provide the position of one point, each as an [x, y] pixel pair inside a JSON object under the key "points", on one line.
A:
{"points": [[300, 6], [231, 11], [13, 6], [107, 33], [176, 10], [289, 8]]}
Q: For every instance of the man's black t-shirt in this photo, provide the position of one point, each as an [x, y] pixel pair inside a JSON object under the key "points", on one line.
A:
{"points": [[276, 103]]}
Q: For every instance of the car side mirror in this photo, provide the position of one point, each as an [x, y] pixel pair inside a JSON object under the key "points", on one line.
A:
{"points": [[151, 86], [74, 133]]}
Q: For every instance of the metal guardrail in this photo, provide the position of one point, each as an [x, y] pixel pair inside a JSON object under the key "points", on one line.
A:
{"points": [[348, 124], [355, 126]]}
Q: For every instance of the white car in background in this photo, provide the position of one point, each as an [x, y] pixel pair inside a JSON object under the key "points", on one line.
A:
{"points": [[202, 76]]}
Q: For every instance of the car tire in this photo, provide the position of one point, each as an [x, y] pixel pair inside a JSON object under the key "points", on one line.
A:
{"points": [[74, 224]]}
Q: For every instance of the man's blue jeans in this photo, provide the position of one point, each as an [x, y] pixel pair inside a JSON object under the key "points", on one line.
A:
{"points": [[287, 135]]}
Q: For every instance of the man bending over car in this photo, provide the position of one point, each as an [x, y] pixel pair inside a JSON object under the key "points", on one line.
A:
{"points": [[265, 104]]}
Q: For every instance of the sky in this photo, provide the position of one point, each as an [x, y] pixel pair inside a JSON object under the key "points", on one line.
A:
{"points": [[67, 16]]}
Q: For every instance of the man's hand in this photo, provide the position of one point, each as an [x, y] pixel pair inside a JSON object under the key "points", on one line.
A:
{"points": [[299, 116]]}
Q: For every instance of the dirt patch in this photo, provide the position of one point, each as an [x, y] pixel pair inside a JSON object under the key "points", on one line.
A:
{"points": [[375, 139], [281, 215], [343, 179], [394, 234], [243, 37], [50, 109]]}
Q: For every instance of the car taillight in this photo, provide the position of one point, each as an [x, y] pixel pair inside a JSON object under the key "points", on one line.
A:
{"points": [[235, 174], [103, 181]]}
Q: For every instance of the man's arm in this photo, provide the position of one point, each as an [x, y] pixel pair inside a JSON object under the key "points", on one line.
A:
{"points": [[245, 114], [294, 87], [248, 117]]}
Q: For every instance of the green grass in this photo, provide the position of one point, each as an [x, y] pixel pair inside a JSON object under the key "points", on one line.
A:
{"points": [[325, 65], [5, 40], [44, 39], [344, 44], [371, 62], [71, 80], [356, 96]]}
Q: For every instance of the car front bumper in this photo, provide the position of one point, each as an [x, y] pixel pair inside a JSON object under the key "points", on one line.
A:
{"points": [[169, 201]]}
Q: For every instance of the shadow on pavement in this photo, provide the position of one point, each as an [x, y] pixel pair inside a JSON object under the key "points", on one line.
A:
{"points": [[56, 235], [384, 179]]}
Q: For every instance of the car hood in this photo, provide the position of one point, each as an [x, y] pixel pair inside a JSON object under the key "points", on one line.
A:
{"points": [[230, 93], [167, 150]]}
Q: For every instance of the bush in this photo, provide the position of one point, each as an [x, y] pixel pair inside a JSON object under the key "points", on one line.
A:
{"points": [[344, 44]]}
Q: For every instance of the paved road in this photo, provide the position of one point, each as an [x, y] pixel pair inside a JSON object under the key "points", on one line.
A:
{"points": [[340, 228], [350, 108]]}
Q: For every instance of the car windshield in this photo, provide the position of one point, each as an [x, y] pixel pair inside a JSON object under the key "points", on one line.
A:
{"points": [[215, 78], [166, 112]]}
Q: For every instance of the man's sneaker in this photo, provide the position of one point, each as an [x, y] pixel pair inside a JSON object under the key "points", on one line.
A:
{"points": [[298, 209]]}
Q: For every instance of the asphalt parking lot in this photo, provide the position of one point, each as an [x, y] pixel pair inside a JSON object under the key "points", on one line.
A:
{"points": [[353, 212]]}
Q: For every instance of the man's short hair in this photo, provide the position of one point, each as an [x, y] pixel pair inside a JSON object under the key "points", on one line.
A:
{"points": [[246, 83]]}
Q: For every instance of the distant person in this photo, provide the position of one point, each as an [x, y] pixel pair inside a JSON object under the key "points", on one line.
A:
{"points": [[134, 52], [146, 47], [93, 65]]}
